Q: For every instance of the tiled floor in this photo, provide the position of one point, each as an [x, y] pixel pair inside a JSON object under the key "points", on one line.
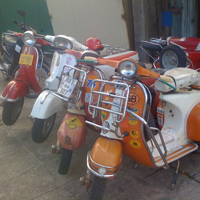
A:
{"points": [[29, 170]]}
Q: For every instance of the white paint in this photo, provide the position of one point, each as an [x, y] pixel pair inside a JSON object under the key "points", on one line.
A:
{"points": [[84, 19]]}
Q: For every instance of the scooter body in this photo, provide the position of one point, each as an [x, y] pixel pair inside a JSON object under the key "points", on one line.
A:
{"points": [[125, 129]]}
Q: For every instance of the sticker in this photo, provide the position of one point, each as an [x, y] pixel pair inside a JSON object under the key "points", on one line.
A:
{"points": [[135, 144], [134, 134], [89, 83], [133, 99], [160, 110], [103, 114], [133, 121], [160, 119], [73, 122], [17, 48], [87, 97]]}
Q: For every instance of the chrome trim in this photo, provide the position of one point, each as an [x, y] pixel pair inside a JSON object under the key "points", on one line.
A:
{"points": [[100, 175], [82, 82]]}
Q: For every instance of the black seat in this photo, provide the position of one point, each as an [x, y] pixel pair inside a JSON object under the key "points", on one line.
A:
{"points": [[9, 40]]}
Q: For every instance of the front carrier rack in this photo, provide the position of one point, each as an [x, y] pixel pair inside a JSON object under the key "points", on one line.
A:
{"points": [[71, 83]]}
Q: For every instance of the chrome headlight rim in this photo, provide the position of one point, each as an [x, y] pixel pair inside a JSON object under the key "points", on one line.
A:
{"points": [[127, 70], [63, 42], [29, 38]]}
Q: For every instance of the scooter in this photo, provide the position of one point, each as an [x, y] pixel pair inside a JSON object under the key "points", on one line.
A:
{"points": [[123, 104], [47, 105], [32, 73], [12, 45], [173, 52]]}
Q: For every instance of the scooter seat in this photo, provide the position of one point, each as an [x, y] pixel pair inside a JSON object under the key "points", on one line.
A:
{"points": [[9, 40], [182, 77]]}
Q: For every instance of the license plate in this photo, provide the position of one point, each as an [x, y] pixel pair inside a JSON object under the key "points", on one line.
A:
{"points": [[67, 86], [26, 59]]}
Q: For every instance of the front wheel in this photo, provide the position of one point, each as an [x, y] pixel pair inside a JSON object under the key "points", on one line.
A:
{"points": [[42, 128], [11, 111], [171, 57], [98, 188], [65, 161]]}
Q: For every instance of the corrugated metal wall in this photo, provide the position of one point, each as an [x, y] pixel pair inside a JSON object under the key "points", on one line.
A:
{"points": [[92, 18]]}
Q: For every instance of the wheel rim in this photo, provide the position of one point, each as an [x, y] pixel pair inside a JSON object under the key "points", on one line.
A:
{"points": [[47, 126], [17, 107], [170, 60]]}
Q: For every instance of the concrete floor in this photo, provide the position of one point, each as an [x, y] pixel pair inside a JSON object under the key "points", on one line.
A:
{"points": [[29, 170]]}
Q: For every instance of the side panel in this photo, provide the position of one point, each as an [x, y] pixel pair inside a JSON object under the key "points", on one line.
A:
{"points": [[193, 121]]}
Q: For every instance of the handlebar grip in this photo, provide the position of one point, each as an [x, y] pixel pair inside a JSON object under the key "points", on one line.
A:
{"points": [[90, 58], [166, 78], [15, 22]]}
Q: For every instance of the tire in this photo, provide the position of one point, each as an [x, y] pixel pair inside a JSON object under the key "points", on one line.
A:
{"points": [[171, 57], [98, 188], [42, 128], [65, 161], [11, 111]]}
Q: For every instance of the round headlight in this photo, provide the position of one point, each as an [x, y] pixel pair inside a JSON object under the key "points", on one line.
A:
{"points": [[29, 38], [127, 68], [62, 41]]}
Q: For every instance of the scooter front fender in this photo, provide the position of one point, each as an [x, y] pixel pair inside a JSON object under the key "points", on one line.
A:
{"points": [[46, 105], [106, 155], [72, 131], [14, 90]]}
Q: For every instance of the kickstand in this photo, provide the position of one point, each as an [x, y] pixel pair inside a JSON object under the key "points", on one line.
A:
{"points": [[175, 175]]}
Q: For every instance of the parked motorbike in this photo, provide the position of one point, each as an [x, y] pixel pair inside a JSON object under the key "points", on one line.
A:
{"points": [[47, 104], [171, 53], [123, 104], [31, 75], [12, 45]]}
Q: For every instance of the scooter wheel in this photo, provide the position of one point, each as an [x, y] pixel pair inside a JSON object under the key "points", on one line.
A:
{"points": [[65, 161], [42, 128], [98, 188], [171, 57], [11, 111]]}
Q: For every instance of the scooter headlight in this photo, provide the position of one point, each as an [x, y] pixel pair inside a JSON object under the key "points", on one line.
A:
{"points": [[63, 41], [127, 68], [29, 38]]}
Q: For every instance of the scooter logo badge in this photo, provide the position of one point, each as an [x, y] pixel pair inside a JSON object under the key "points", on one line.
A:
{"points": [[73, 122]]}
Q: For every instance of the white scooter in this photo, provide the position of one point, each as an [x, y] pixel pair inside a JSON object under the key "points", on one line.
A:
{"points": [[47, 104]]}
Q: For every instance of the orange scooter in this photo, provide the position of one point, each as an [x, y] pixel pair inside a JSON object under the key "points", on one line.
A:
{"points": [[124, 104]]}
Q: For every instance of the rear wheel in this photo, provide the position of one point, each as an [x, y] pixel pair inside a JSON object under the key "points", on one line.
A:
{"points": [[11, 111], [171, 57], [42, 128], [98, 188], [65, 161]]}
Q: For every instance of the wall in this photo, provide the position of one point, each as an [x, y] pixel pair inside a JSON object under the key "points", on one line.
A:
{"points": [[83, 19]]}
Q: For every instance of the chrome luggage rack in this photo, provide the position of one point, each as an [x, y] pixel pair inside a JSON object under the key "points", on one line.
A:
{"points": [[118, 108], [79, 79]]}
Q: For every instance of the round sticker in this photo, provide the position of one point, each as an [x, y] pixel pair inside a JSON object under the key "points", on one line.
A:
{"points": [[133, 98], [89, 83], [133, 121], [134, 134], [135, 144]]}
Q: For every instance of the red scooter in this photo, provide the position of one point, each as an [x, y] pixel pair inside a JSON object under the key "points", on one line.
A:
{"points": [[32, 74]]}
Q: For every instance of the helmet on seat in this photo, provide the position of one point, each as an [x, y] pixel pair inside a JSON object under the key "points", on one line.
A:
{"points": [[93, 43]]}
